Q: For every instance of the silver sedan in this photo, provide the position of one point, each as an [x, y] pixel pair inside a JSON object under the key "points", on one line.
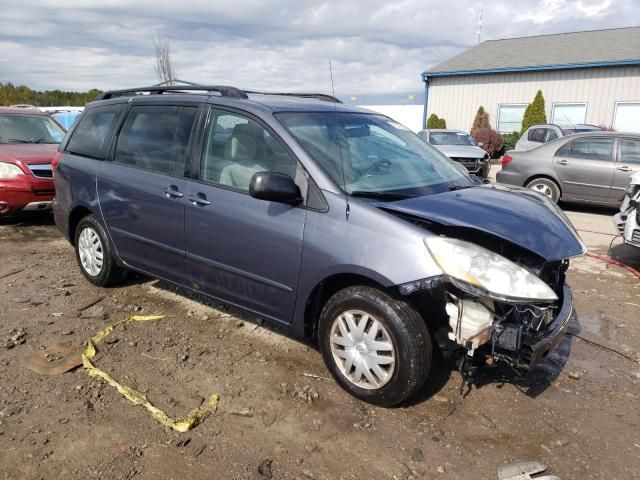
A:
{"points": [[586, 167]]}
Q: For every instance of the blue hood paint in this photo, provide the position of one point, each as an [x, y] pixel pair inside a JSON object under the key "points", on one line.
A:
{"points": [[519, 216]]}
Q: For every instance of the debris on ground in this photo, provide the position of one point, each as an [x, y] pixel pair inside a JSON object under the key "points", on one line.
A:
{"points": [[54, 359], [524, 470], [18, 337], [264, 468], [179, 424]]}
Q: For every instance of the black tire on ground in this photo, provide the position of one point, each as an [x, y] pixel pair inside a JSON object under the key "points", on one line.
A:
{"points": [[110, 273], [408, 334], [546, 187]]}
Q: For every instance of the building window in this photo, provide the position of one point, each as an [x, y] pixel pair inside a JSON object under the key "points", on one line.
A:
{"points": [[626, 117], [510, 117], [568, 113]]}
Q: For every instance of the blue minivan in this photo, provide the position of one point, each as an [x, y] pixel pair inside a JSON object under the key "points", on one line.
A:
{"points": [[337, 223]]}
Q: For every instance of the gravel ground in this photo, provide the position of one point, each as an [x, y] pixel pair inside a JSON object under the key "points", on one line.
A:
{"points": [[577, 413]]}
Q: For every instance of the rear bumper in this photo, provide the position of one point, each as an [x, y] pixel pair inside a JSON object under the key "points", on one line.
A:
{"points": [[25, 193], [510, 178]]}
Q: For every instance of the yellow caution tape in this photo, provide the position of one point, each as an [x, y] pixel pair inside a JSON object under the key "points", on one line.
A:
{"points": [[178, 424]]}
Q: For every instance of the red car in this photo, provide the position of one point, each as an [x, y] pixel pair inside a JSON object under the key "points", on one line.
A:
{"points": [[29, 140]]}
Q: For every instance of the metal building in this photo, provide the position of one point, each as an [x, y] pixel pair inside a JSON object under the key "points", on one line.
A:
{"points": [[586, 77]]}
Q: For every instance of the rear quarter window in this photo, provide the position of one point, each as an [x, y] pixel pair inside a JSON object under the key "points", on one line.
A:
{"points": [[91, 136], [537, 135]]}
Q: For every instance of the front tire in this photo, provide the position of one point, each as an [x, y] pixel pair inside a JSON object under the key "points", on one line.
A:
{"points": [[546, 187], [95, 254], [377, 348]]}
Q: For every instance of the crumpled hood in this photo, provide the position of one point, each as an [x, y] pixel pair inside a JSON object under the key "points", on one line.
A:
{"points": [[520, 216], [461, 151], [28, 153]]}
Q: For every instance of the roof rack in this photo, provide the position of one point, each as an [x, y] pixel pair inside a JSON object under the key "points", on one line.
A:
{"points": [[318, 96], [224, 91]]}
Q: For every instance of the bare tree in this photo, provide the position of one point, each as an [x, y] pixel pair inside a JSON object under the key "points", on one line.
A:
{"points": [[163, 66]]}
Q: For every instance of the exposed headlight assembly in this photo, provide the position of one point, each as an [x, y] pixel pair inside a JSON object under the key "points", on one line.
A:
{"points": [[8, 170], [483, 269]]}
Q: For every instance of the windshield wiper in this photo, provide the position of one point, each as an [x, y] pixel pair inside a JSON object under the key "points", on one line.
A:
{"points": [[19, 140], [381, 195], [458, 187]]}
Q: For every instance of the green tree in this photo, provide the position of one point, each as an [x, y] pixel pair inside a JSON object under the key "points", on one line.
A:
{"points": [[481, 121], [534, 113], [435, 122], [11, 95]]}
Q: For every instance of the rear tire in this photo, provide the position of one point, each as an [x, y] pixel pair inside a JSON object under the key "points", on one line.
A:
{"points": [[377, 348], [546, 187], [95, 254]]}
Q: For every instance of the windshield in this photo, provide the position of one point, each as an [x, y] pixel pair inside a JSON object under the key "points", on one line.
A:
{"points": [[18, 128], [371, 155], [451, 138]]}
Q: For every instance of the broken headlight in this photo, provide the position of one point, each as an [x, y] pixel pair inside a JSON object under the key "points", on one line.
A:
{"points": [[485, 270]]}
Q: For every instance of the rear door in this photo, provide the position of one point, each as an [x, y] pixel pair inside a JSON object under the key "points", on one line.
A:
{"points": [[142, 189], [627, 163], [241, 249], [585, 168]]}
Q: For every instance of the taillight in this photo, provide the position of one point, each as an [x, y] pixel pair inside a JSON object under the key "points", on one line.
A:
{"points": [[506, 159], [56, 161]]}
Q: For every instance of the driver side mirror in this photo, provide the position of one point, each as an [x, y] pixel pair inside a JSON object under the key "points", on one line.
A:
{"points": [[275, 187]]}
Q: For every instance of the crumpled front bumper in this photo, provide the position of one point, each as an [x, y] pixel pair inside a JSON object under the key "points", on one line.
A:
{"points": [[537, 346]]}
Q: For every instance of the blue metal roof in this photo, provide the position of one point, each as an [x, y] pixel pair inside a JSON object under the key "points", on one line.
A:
{"points": [[530, 68]]}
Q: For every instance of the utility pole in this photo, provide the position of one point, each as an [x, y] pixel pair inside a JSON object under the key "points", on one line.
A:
{"points": [[479, 31]]}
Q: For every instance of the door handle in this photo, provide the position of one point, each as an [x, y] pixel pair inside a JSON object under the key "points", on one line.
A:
{"points": [[199, 199], [173, 192], [624, 168], [563, 162]]}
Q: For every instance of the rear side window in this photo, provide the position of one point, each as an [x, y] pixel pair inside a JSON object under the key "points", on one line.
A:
{"points": [[91, 137], [588, 148], [155, 138], [629, 150], [537, 135]]}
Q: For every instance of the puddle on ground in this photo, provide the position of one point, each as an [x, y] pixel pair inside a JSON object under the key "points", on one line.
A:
{"points": [[590, 323]]}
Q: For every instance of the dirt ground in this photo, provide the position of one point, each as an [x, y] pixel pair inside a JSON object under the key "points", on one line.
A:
{"points": [[578, 413]]}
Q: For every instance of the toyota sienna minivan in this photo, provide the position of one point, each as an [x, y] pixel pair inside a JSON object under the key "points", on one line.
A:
{"points": [[337, 223]]}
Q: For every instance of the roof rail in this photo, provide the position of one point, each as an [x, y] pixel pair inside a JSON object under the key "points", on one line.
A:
{"points": [[223, 90], [318, 96]]}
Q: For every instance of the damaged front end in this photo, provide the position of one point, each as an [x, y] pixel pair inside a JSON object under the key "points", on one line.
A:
{"points": [[483, 321], [519, 334]]}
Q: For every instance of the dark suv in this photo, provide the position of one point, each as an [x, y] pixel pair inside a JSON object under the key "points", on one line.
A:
{"points": [[337, 223]]}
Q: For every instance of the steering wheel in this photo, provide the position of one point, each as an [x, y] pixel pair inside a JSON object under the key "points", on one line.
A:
{"points": [[381, 166]]}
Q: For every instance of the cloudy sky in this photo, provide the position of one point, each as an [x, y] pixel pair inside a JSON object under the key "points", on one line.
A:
{"points": [[376, 47]]}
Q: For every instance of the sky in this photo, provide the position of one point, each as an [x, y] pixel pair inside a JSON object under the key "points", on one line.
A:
{"points": [[377, 48]]}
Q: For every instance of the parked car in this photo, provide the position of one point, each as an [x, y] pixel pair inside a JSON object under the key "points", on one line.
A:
{"points": [[334, 222], [66, 119], [584, 167], [627, 220], [540, 134], [460, 147], [28, 142]]}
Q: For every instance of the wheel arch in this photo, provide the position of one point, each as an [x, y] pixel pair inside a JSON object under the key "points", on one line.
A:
{"points": [[77, 214], [325, 289]]}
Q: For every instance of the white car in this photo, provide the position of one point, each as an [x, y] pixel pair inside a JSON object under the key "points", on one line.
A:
{"points": [[628, 219], [537, 135]]}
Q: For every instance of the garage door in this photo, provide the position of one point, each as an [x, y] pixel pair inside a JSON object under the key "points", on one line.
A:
{"points": [[627, 117]]}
